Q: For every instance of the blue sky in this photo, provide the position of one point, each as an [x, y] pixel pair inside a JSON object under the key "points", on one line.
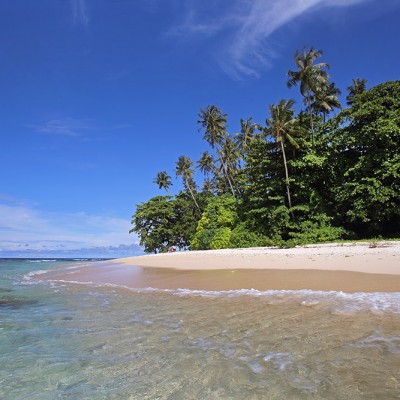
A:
{"points": [[97, 96]]}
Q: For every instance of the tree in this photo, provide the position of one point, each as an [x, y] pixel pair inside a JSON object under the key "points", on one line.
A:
{"points": [[152, 221], [230, 158], [164, 221], [207, 167], [357, 87], [215, 226], [280, 126], [244, 138], [364, 155], [213, 121], [163, 180], [311, 77], [183, 168], [326, 99], [206, 164]]}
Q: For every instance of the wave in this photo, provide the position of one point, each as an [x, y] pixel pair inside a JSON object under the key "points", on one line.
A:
{"points": [[339, 303], [41, 261]]}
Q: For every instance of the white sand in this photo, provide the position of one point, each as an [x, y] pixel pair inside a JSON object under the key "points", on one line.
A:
{"points": [[374, 258]]}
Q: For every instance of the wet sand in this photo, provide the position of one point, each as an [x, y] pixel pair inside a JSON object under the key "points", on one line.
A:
{"points": [[346, 267], [350, 269]]}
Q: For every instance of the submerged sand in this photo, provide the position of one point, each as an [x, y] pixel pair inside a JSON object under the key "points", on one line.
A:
{"points": [[347, 267]]}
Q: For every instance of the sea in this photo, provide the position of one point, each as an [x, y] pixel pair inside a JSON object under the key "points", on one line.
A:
{"points": [[64, 340]]}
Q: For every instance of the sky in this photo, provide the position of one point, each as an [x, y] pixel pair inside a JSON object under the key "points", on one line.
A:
{"points": [[97, 96]]}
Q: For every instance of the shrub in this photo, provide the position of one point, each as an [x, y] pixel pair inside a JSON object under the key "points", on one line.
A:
{"points": [[202, 239], [316, 231], [221, 238], [243, 237]]}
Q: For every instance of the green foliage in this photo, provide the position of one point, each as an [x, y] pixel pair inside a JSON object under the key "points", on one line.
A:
{"points": [[163, 221], [202, 239], [221, 238], [242, 237], [214, 228], [152, 221], [364, 153], [316, 230]]}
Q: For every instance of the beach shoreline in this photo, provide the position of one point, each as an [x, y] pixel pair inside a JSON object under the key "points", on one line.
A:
{"points": [[342, 268], [374, 258]]}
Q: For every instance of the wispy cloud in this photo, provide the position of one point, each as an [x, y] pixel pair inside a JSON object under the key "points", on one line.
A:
{"points": [[26, 227], [82, 129], [247, 26], [64, 127], [79, 12]]}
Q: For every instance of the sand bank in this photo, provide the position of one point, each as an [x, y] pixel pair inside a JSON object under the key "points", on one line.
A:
{"points": [[347, 268], [377, 258]]}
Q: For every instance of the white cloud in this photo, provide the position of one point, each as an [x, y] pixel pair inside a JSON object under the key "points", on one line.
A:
{"points": [[64, 126], [79, 12], [248, 24], [24, 227]]}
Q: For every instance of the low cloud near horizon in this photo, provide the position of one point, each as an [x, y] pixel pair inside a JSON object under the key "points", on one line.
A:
{"points": [[24, 228]]}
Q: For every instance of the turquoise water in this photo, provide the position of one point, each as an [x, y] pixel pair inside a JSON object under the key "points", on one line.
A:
{"points": [[62, 340]]}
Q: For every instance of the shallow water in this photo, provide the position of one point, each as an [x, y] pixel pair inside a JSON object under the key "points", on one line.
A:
{"points": [[71, 341]]}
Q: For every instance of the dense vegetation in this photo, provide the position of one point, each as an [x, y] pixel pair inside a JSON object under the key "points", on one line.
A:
{"points": [[297, 178]]}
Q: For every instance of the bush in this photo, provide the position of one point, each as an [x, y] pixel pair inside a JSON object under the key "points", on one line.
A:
{"points": [[316, 232], [215, 226], [242, 237], [221, 238], [202, 239]]}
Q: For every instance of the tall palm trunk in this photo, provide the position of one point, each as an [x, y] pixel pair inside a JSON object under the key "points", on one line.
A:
{"points": [[287, 179], [191, 193], [311, 120], [226, 174]]}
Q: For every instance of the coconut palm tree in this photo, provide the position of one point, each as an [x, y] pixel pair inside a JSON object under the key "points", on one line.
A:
{"points": [[213, 121], [206, 163], [311, 76], [183, 168], [208, 186], [230, 156], [357, 87], [326, 99], [281, 125], [163, 180], [245, 137]]}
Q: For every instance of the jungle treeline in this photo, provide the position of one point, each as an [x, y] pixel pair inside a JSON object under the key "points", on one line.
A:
{"points": [[330, 171]]}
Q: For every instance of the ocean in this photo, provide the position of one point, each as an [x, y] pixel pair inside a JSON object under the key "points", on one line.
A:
{"points": [[61, 340]]}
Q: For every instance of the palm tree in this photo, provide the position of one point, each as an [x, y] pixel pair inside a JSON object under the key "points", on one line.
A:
{"points": [[213, 121], [229, 155], [206, 163], [183, 168], [208, 186], [163, 180], [311, 77], [281, 126], [326, 99], [245, 137], [357, 87]]}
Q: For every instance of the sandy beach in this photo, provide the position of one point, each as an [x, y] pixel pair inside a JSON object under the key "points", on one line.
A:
{"points": [[344, 267], [374, 258]]}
